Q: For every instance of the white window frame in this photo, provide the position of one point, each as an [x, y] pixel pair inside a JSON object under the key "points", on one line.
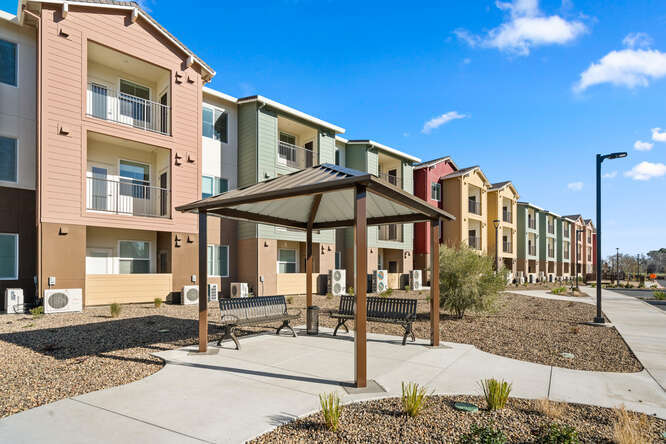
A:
{"points": [[16, 267], [278, 261], [222, 110], [218, 178], [7, 136], [150, 91], [150, 255], [439, 191], [216, 247], [18, 52]]}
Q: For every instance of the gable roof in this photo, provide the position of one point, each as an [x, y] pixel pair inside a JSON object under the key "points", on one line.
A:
{"points": [[528, 204], [127, 6], [575, 217], [433, 162], [382, 147], [467, 171], [501, 185]]}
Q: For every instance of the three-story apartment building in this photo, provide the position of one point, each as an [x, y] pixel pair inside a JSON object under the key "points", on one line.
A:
{"points": [[564, 249], [549, 242], [529, 217], [502, 206], [578, 244]]}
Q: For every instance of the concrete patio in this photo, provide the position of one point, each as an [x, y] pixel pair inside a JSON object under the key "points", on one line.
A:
{"points": [[231, 396]]}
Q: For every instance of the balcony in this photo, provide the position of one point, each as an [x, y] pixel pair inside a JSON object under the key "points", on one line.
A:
{"points": [[128, 197], [507, 247], [507, 216], [295, 156], [551, 252], [391, 178], [531, 223], [391, 232], [474, 242], [474, 207], [551, 228], [531, 250]]}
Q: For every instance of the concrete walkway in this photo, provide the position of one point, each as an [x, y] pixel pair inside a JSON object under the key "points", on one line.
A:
{"points": [[642, 326], [231, 396]]}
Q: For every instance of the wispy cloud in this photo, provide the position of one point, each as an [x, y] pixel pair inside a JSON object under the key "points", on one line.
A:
{"points": [[575, 186], [637, 40], [438, 121], [643, 146], [525, 27], [646, 171], [658, 135], [610, 175], [629, 67]]}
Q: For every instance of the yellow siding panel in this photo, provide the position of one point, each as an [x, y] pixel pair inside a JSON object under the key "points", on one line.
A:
{"points": [[102, 289]]}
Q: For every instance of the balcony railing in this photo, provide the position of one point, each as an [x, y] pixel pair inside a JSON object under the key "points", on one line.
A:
{"points": [[474, 206], [551, 228], [295, 156], [531, 250], [392, 179], [507, 247], [474, 242], [105, 103], [551, 251], [507, 216], [391, 232], [531, 223], [127, 196]]}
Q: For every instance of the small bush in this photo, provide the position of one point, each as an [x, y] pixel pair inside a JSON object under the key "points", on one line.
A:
{"points": [[496, 392], [290, 300], [407, 287], [115, 309], [331, 409], [558, 434], [593, 285], [157, 302], [413, 398], [550, 409], [329, 295], [659, 295], [37, 312], [559, 290], [386, 293], [628, 285], [350, 291], [483, 435], [629, 427]]}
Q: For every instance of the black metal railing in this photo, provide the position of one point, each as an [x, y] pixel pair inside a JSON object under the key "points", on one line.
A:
{"points": [[474, 242], [507, 247], [531, 249], [391, 232], [474, 206], [531, 223], [507, 216]]}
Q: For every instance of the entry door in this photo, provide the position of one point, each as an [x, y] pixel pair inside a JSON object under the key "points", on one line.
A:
{"points": [[99, 194], [309, 155], [99, 261], [164, 113]]}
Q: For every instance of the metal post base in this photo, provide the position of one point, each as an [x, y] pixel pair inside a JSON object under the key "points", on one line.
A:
{"points": [[599, 320]]}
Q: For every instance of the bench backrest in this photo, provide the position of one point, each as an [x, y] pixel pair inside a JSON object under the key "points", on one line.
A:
{"points": [[253, 308], [381, 308]]}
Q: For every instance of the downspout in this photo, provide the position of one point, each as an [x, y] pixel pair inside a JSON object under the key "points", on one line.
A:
{"points": [[256, 165]]}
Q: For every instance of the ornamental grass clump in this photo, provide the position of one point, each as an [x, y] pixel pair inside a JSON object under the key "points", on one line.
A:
{"points": [[115, 309], [157, 302], [331, 409], [413, 398], [629, 427], [496, 392]]}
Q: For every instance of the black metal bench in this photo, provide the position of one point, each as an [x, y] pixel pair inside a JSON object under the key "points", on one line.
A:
{"points": [[387, 310], [237, 312]]}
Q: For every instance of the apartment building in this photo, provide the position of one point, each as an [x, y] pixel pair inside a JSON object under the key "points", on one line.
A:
{"points": [[549, 244], [589, 246], [502, 207], [18, 120], [564, 248], [528, 262], [390, 247], [273, 140], [582, 239]]}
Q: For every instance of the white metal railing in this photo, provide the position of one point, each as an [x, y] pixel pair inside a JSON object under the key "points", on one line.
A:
{"points": [[295, 156], [391, 178], [127, 196], [106, 103], [391, 232]]}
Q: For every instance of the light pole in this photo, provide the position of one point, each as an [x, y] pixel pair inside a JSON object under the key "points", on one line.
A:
{"points": [[617, 266], [600, 158], [496, 223]]}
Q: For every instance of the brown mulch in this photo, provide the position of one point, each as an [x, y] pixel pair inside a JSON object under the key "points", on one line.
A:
{"points": [[383, 421]]}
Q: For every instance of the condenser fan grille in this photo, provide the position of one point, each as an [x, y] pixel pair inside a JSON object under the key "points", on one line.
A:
{"points": [[337, 288], [58, 300], [234, 290], [192, 295], [337, 275]]}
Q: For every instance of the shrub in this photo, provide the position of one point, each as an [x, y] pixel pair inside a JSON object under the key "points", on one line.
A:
{"points": [[659, 295], [350, 291], [558, 434], [559, 290], [483, 435], [407, 287], [550, 409], [115, 309], [329, 295], [593, 285], [496, 392], [467, 280], [386, 293], [413, 398], [290, 300], [629, 428], [157, 302], [37, 312], [331, 409]]}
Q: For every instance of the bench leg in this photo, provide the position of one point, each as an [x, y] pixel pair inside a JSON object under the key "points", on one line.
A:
{"points": [[341, 323], [285, 324], [229, 334], [408, 332]]}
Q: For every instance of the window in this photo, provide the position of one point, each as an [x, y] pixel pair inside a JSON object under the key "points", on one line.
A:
{"points": [[134, 257], [8, 65], [338, 260], [8, 158], [135, 90], [337, 157], [436, 191], [134, 179], [133, 99], [8, 256], [211, 186], [218, 260], [215, 124], [286, 261]]}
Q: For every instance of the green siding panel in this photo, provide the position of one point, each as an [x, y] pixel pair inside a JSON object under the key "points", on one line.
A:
{"points": [[247, 144], [326, 148]]}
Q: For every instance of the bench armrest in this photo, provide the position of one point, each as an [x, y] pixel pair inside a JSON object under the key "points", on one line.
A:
{"points": [[229, 317]]}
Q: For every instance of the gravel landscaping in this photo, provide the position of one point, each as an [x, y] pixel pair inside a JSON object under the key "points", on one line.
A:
{"points": [[382, 421]]}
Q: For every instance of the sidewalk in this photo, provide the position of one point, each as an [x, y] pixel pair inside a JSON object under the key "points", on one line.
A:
{"points": [[231, 396]]}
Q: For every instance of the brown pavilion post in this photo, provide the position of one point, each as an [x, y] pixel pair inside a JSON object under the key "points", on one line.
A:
{"points": [[203, 281], [360, 315], [308, 253], [434, 282]]}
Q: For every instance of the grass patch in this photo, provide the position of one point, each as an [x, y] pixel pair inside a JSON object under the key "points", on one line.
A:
{"points": [[629, 428], [115, 309], [37, 312], [550, 409]]}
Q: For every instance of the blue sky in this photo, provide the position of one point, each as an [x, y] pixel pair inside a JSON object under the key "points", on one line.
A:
{"points": [[528, 90]]}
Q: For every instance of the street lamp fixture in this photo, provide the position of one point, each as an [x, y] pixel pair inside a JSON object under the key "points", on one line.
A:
{"points": [[496, 223], [600, 158]]}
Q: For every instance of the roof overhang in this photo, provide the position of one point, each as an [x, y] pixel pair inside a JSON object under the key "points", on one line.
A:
{"points": [[294, 112], [527, 204], [382, 147], [219, 94], [435, 162]]}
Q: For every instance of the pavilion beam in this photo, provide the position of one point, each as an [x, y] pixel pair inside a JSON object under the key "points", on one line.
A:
{"points": [[360, 315], [254, 217], [308, 253], [203, 281], [381, 220], [434, 282]]}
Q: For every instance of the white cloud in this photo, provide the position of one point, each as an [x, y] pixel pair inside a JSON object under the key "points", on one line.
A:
{"points": [[646, 171], [610, 175], [630, 67], [637, 40], [575, 186], [438, 121], [525, 28], [658, 135], [643, 146]]}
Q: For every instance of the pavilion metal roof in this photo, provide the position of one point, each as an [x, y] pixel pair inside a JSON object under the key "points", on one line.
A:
{"points": [[288, 200]]}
